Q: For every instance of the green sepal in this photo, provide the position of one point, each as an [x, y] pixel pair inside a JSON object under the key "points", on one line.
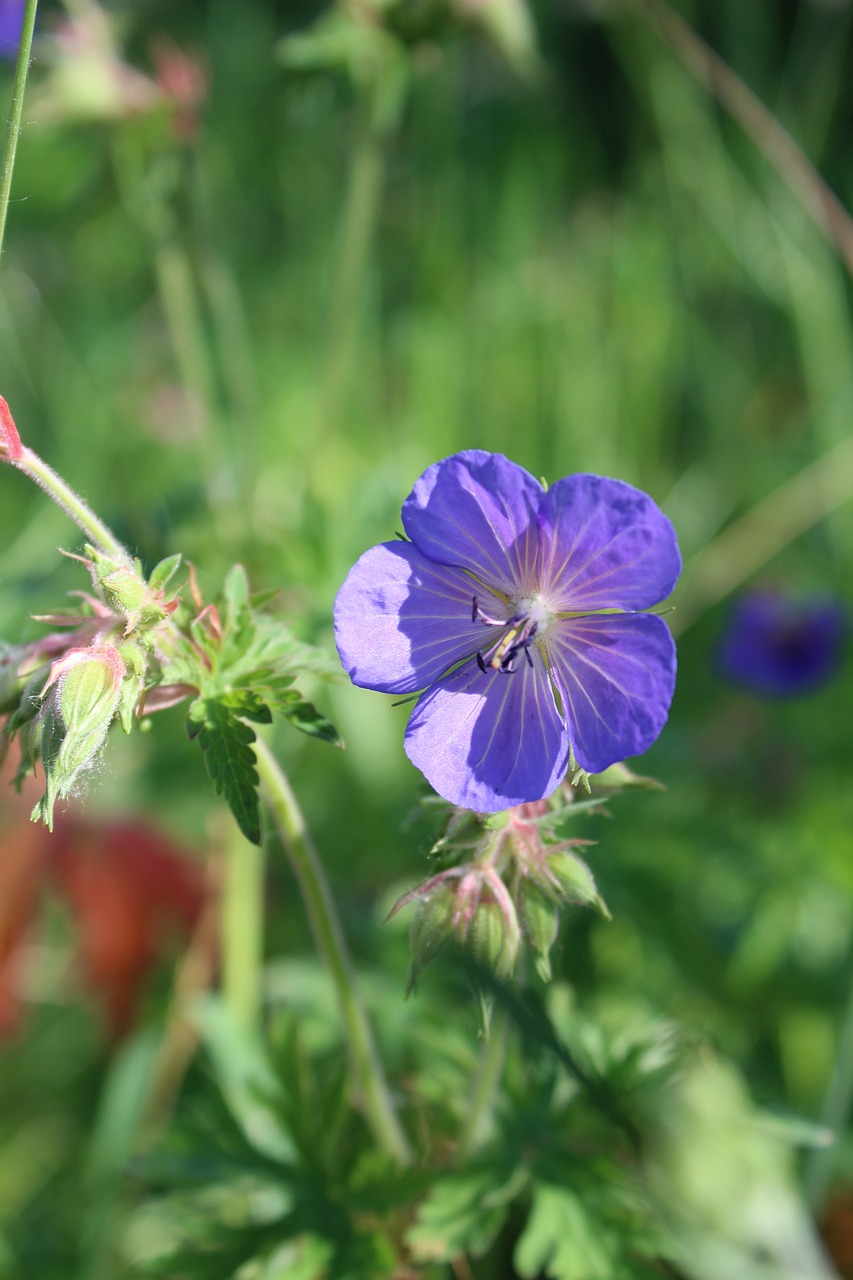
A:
{"points": [[163, 572], [539, 923], [575, 882]]}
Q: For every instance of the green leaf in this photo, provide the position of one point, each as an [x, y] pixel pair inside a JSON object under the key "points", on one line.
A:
{"points": [[226, 740], [247, 1078], [561, 1241], [164, 572], [461, 1214], [303, 715], [235, 594]]}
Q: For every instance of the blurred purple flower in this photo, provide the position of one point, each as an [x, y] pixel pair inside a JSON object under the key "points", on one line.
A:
{"points": [[11, 22], [513, 608], [778, 646]]}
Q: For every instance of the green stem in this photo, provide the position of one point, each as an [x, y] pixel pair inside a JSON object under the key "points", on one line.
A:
{"points": [[835, 1113], [243, 928], [71, 503], [480, 1105], [367, 1070], [16, 111], [360, 212]]}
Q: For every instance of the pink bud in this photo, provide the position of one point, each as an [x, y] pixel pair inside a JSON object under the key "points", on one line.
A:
{"points": [[11, 448]]}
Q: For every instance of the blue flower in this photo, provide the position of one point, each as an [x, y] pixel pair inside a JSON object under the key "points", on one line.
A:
{"points": [[11, 22], [775, 645], [514, 609]]}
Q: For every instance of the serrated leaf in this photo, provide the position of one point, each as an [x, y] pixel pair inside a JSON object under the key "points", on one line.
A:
{"points": [[304, 716], [226, 741], [561, 1241], [459, 1215]]}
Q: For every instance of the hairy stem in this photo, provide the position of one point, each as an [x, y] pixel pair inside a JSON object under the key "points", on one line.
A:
{"points": [[13, 126], [71, 503], [368, 1075]]}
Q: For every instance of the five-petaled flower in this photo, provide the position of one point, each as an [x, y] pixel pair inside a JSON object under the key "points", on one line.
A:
{"points": [[782, 646], [515, 609]]}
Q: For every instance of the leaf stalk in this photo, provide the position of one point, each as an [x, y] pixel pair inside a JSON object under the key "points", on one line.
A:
{"points": [[369, 1077]]}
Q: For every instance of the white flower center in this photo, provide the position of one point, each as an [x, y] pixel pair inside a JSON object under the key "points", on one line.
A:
{"points": [[536, 611]]}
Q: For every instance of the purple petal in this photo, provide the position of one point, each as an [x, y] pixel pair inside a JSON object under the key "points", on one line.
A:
{"points": [[616, 675], [604, 545], [11, 25], [478, 510], [401, 621], [486, 741]]}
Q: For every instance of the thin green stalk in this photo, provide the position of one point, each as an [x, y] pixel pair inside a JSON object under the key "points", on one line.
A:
{"points": [[835, 1112], [751, 541], [71, 503], [243, 928], [380, 106], [489, 1071], [369, 1078], [16, 112], [159, 201], [775, 143]]}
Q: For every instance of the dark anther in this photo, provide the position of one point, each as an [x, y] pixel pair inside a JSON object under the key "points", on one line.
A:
{"points": [[518, 632]]}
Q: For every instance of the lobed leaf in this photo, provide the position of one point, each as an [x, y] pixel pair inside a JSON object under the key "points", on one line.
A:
{"points": [[219, 726]]}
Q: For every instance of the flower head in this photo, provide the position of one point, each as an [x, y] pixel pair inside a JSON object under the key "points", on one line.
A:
{"points": [[514, 609], [779, 646]]}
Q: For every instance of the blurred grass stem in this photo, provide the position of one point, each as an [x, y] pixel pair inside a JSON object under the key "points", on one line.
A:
{"points": [[821, 1162], [369, 1077], [754, 539], [158, 198], [243, 928], [367, 168], [475, 1129], [16, 111], [774, 142]]}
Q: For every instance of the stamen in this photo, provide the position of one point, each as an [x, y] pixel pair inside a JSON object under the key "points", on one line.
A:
{"points": [[518, 634]]}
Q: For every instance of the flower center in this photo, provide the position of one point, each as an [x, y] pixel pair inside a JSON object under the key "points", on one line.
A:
{"points": [[530, 618]]}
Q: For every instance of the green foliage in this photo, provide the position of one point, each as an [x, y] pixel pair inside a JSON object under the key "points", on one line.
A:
{"points": [[243, 664], [588, 1235], [463, 1213], [239, 358], [219, 726]]}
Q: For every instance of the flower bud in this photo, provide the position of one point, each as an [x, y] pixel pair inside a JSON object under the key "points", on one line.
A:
{"points": [[81, 697], [540, 923], [431, 928], [494, 934], [10, 442], [574, 881]]}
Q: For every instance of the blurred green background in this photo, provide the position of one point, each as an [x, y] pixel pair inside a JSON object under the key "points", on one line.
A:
{"points": [[241, 327]]}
